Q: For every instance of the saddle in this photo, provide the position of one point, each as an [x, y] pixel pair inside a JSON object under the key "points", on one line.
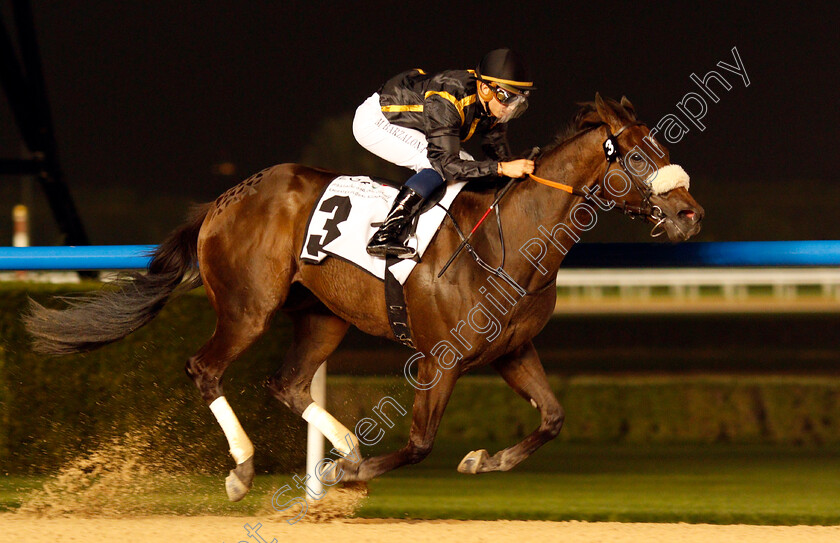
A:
{"points": [[346, 215]]}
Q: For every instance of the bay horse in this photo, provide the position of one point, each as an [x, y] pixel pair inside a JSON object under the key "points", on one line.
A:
{"points": [[245, 249]]}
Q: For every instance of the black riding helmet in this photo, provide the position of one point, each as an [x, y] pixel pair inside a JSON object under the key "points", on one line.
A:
{"points": [[505, 68]]}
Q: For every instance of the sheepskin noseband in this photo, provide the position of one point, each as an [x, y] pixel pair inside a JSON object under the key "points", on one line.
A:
{"points": [[667, 178]]}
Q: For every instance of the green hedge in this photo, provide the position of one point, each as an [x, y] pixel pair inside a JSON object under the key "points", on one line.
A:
{"points": [[51, 409], [623, 409]]}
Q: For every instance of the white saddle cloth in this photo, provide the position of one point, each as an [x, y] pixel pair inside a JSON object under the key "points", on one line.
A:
{"points": [[341, 224]]}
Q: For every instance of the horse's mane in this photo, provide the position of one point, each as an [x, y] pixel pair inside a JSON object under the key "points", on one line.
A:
{"points": [[586, 119]]}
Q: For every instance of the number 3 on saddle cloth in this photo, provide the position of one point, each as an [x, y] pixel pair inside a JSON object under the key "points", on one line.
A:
{"points": [[348, 213]]}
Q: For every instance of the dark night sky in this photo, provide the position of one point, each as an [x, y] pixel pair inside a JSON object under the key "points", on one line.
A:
{"points": [[151, 94]]}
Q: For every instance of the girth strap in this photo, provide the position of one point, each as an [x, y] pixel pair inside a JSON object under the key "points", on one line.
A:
{"points": [[395, 305]]}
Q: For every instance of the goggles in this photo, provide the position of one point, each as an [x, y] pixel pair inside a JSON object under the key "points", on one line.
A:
{"points": [[515, 103], [505, 97]]}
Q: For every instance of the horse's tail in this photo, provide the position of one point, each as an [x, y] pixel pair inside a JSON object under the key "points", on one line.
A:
{"points": [[94, 320]]}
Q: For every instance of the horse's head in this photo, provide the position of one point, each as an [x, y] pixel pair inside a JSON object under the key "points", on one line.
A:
{"points": [[659, 189], [635, 174]]}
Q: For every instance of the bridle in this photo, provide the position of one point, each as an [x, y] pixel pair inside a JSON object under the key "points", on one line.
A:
{"points": [[612, 154]]}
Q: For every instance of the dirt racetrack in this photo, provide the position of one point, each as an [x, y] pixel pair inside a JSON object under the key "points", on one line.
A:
{"points": [[160, 529]]}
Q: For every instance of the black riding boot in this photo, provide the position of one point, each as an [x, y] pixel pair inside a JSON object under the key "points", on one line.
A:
{"points": [[391, 237]]}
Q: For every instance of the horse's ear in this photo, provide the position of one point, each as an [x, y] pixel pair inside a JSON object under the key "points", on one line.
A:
{"points": [[625, 103], [607, 114]]}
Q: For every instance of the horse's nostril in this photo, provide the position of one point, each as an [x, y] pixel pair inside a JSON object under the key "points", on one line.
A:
{"points": [[687, 215]]}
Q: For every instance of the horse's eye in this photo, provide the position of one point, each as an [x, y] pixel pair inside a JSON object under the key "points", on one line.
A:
{"points": [[636, 157]]}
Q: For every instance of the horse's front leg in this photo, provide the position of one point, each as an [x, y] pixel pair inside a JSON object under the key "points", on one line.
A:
{"points": [[524, 372], [426, 415]]}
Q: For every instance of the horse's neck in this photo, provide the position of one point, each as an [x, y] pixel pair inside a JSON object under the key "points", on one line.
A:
{"points": [[535, 210]]}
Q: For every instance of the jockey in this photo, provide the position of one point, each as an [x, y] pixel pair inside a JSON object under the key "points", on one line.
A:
{"points": [[419, 121]]}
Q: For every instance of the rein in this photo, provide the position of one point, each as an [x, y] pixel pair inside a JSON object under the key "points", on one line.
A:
{"points": [[498, 271], [554, 184], [612, 154], [634, 212]]}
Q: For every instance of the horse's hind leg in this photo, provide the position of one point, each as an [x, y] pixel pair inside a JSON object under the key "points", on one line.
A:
{"points": [[523, 371], [206, 368], [317, 333]]}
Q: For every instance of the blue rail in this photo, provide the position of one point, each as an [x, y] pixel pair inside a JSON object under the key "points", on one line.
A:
{"points": [[704, 254], [90, 257], [586, 255]]}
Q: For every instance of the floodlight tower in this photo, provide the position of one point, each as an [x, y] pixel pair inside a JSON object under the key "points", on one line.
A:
{"points": [[23, 82]]}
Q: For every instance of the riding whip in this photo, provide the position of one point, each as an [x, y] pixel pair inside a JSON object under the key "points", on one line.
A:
{"points": [[493, 206]]}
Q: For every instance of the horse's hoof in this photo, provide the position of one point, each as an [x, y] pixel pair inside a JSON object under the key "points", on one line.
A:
{"points": [[473, 461], [239, 482], [349, 470]]}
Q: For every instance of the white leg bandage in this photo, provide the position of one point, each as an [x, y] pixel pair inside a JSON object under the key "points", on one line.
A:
{"points": [[241, 447], [667, 178], [332, 429]]}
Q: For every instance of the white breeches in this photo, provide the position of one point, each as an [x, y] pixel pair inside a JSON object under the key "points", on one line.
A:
{"points": [[401, 146]]}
